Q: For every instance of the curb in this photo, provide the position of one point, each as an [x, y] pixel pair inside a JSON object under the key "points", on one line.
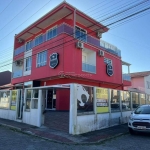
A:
{"points": [[67, 143]]}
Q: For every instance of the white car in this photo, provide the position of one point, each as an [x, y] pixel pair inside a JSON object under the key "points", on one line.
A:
{"points": [[139, 120]]}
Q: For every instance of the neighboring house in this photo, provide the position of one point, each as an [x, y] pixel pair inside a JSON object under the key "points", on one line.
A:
{"points": [[5, 79], [140, 82], [64, 47]]}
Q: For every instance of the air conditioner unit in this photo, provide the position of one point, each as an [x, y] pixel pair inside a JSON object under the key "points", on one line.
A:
{"points": [[20, 40], [99, 34], [79, 45], [101, 53], [19, 63]]}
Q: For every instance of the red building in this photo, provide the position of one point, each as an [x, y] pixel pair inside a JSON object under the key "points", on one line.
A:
{"points": [[64, 47]]}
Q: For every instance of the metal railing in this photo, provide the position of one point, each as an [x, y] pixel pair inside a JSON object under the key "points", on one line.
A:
{"points": [[126, 77], [65, 28], [17, 74]]}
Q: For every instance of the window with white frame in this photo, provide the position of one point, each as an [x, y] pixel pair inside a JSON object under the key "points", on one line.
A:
{"points": [[51, 33], [107, 61], [41, 59], [80, 34], [84, 58], [28, 46], [28, 64], [38, 40], [148, 84]]}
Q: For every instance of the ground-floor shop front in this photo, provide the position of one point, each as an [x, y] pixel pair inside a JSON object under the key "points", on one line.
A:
{"points": [[73, 108]]}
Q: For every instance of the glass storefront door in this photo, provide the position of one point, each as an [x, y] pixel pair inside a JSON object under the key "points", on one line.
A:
{"points": [[51, 99]]}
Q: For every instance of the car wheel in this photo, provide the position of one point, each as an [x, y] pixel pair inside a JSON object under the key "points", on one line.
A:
{"points": [[131, 131]]}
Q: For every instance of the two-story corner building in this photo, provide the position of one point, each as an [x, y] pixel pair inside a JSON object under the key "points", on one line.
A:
{"points": [[64, 47]]}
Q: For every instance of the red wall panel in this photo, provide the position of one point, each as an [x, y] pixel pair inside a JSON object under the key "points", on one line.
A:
{"points": [[62, 99]]}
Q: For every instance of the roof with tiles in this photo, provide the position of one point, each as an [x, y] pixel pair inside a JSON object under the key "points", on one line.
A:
{"points": [[140, 74]]}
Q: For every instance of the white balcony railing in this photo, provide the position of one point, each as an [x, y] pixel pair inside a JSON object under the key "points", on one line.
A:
{"points": [[88, 68], [126, 77], [17, 74]]}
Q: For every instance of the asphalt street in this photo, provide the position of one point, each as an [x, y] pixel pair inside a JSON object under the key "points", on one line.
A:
{"points": [[12, 140]]}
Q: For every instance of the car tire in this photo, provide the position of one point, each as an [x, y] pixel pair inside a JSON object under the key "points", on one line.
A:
{"points": [[131, 131]]}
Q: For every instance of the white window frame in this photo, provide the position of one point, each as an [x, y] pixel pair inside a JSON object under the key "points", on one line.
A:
{"points": [[26, 63], [50, 30], [41, 62], [38, 37], [148, 84], [30, 45]]}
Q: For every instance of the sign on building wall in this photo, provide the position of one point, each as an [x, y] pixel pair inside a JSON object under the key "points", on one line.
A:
{"points": [[102, 100], [13, 100], [4, 99], [109, 69], [54, 60], [84, 99]]}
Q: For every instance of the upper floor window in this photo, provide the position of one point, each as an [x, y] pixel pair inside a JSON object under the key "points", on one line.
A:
{"points": [[38, 40], [28, 64], [107, 61], [28, 46], [80, 34], [148, 84], [41, 59], [52, 33]]}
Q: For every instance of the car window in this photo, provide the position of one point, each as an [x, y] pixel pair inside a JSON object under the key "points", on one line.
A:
{"points": [[142, 110]]}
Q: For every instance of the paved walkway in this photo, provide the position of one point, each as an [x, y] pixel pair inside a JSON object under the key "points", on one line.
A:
{"points": [[63, 137]]}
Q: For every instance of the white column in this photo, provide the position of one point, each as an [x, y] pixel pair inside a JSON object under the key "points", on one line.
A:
{"points": [[73, 109], [128, 69], [10, 100], [109, 105], [39, 115]]}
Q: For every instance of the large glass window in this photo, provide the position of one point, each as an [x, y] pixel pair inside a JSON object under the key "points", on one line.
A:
{"points": [[147, 99], [34, 99], [28, 64], [38, 40], [115, 103], [28, 100], [80, 34], [13, 100], [28, 46], [135, 100], [126, 101], [142, 100], [4, 99], [84, 99], [41, 59], [52, 33], [102, 100]]}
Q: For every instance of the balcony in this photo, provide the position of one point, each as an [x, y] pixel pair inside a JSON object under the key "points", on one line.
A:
{"points": [[88, 68], [17, 74], [65, 28], [126, 77]]}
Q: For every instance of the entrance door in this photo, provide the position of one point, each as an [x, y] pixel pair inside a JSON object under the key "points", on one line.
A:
{"points": [[50, 99], [19, 104]]}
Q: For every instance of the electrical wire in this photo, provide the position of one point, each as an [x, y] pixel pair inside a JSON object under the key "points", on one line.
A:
{"points": [[92, 31], [124, 18], [6, 7]]}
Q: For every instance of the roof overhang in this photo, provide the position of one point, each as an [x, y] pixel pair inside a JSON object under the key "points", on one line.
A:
{"points": [[64, 10], [125, 63]]}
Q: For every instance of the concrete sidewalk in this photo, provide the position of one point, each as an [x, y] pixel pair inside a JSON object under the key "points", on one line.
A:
{"points": [[63, 137]]}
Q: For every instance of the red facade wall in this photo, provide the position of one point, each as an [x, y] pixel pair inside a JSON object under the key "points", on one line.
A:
{"points": [[62, 99], [70, 61]]}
